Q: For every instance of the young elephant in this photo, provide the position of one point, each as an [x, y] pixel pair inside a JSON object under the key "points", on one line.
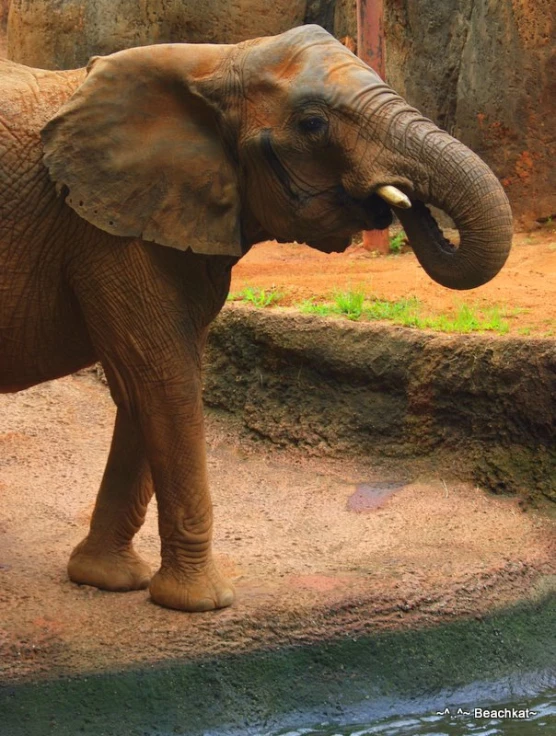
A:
{"points": [[130, 189]]}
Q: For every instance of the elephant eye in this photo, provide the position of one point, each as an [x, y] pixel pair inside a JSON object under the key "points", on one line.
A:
{"points": [[313, 124]]}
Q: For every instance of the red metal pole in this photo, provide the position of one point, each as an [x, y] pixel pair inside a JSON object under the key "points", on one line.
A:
{"points": [[370, 48]]}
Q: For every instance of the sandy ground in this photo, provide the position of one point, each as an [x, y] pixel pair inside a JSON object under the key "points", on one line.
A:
{"points": [[526, 286], [309, 556]]}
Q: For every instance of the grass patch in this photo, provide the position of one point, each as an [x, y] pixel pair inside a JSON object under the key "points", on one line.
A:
{"points": [[311, 307], [355, 305], [349, 303], [467, 318], [470, 319], [406, 312], [410, 312], [397, 242], [260, 298]]}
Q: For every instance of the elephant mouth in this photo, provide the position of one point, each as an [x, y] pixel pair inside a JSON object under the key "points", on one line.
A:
{"points": [[371, 213], [378, 212]]}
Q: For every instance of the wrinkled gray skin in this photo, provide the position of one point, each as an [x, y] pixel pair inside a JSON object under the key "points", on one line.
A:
{"points": [[127, 196]]}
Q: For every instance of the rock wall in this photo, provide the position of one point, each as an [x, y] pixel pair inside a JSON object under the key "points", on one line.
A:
{"points": [[321, 12], [64, 34], [4, 7], [485, 70], [345, 19], [485, 408]]}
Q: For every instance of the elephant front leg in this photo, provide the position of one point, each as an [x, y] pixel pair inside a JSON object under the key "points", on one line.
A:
{"points": [[106, 558], [188, 578]]}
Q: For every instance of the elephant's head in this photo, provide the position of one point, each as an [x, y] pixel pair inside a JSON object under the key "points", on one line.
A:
{"points": [[290, 137]]}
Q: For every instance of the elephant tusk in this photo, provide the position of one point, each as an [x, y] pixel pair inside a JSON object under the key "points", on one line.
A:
{"points": [[394, 197]]}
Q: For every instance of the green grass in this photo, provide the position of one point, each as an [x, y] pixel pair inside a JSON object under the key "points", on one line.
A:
{"points": [[311, 307], [410, 312], [396, 242], [349, 303], [257, 297], [470, 319], [404, 312]]}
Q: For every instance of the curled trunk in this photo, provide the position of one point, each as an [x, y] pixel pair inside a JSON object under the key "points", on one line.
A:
{"points": [[446, 174]]}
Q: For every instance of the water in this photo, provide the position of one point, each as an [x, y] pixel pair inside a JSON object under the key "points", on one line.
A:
{"points": [[461, 720], [450, 713], [371, 496]]}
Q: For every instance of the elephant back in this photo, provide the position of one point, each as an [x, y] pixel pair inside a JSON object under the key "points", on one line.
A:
{"points": [[25, 113]]}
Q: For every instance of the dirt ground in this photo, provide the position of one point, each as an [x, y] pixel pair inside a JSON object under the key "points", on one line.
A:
{"points": [[526, 286], [316, 548]]}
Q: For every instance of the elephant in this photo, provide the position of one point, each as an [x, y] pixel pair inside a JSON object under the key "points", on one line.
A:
{"points": [[130, 190]]}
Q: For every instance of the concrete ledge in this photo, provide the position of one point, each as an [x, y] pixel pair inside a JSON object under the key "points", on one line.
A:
{"points": [[270, 690], [484, 406]]}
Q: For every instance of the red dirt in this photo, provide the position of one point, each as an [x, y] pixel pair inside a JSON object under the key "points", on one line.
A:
{"points": [[526, 285]]}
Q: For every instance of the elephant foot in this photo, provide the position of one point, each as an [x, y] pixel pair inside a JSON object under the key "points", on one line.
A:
{"points": [[201, 589], [116, 571]]}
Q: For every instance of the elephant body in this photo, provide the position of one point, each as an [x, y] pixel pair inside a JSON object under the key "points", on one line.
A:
{"points": [[51, 319], [128, 190], [30, 98], [56, 317]]}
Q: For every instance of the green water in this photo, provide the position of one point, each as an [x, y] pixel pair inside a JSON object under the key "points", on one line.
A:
{"points": [[539, 720]]}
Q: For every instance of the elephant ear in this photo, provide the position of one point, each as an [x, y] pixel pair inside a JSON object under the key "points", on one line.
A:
{"points": [[140, 148]]}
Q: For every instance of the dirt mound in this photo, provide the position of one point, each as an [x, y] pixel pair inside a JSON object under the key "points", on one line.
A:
{"points": [[483, 409]]}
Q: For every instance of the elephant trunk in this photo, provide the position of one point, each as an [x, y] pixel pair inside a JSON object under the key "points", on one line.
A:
{"points": [[446, 174]]}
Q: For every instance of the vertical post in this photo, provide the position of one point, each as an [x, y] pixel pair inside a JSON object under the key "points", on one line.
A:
{"points": [[370, 48]]}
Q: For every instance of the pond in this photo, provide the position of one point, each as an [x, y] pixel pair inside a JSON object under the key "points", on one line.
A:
{"points": [[520, 717]]}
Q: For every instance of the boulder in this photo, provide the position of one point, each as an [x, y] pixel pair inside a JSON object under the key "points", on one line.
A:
{"points": [[64, 34], [485, 71]]}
